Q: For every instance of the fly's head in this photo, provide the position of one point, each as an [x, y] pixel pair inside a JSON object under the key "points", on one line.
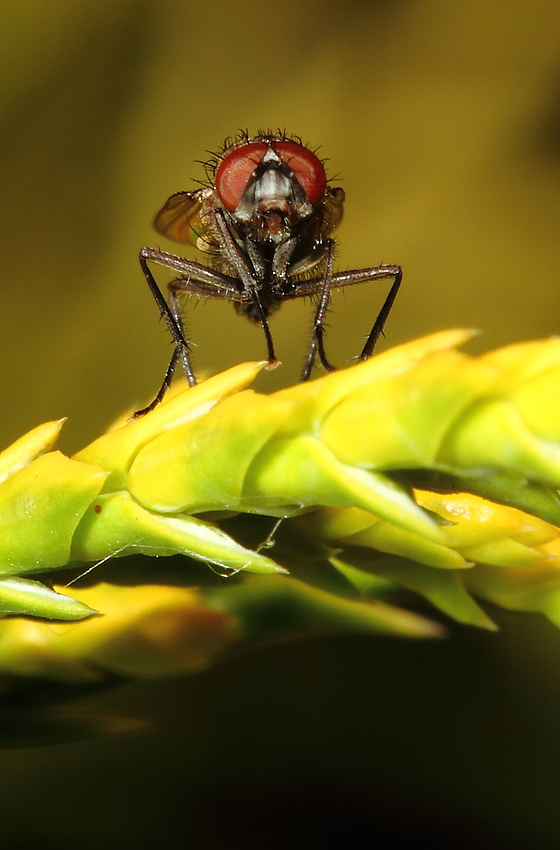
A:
{"points": [[270, 185], [275, 195]]}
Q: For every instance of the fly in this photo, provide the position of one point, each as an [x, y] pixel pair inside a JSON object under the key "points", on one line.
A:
{"points": [[266, 222]]}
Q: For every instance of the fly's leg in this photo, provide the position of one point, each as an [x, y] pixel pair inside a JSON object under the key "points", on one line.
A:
{"points": [[184, 350], [377, 329], [179, 350], [172, 320], [317, 339], [163, 389], [200, 281], [249, 283], [324, 286]]}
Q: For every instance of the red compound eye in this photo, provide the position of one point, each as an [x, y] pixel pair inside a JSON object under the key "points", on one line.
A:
{"points": [[237, 167], [306, 166], [235, 172]]}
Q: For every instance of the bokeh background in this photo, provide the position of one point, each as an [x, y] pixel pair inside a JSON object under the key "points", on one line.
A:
{"points": [[442, 121]]}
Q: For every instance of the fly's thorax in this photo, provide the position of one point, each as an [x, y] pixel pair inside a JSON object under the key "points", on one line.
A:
{"points": [[334, 209], [209, 226]]}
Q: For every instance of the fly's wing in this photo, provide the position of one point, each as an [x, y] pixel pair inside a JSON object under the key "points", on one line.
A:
{"points": [[180, 219]]}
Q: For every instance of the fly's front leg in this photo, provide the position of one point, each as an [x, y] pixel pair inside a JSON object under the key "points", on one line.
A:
{"points": [[248, 280], [317, 339]]}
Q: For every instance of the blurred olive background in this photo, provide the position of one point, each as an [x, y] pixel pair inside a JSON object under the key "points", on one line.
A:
{"points": [[442, 121]]}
